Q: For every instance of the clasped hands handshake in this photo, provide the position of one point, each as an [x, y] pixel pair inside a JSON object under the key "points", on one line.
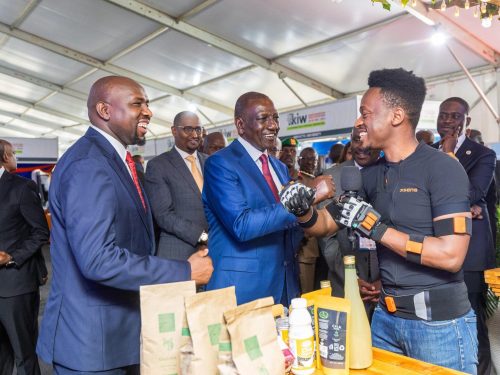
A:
{"points": [[347, 211]]}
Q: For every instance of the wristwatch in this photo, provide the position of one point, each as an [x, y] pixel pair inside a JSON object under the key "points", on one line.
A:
{"points": [[203, 240]]}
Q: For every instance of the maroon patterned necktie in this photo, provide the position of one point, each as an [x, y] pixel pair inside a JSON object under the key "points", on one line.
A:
{"points": [[131, 165], [268, 176]]}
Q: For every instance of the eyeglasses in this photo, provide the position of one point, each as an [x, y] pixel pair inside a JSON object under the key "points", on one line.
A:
{"points": [[450, 116], [189, 129], [266, 119]]}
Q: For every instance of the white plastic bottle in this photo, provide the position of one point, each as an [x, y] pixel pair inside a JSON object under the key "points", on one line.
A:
{"points": [[301, 338]]}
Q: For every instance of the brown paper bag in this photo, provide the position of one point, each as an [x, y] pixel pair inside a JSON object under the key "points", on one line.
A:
{"points": [[254, 338], [205, 315], [164, 323]]}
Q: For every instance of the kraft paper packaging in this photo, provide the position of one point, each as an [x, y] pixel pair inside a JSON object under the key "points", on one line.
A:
{"points": [[205, 315], [254, 339], [163, 326]]}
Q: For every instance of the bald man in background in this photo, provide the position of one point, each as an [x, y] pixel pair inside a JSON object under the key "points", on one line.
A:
{"points": [[214, 142], [102, 241]]}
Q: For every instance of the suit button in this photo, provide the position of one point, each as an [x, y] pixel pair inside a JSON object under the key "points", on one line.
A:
{"points": [[285, 263]]}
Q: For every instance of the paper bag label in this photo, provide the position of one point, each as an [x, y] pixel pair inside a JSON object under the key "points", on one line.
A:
{"points": [[252, 348], [166, 322]]}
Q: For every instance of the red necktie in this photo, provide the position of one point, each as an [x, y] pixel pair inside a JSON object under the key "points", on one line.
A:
{"points": [[131, 165], [268, 176]]}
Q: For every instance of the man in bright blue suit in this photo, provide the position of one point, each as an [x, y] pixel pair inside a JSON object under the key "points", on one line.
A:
{"points": [[102, 241], [252, 238]]}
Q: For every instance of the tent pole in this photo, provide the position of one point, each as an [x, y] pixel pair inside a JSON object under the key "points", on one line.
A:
{"points": [[476, 86]]}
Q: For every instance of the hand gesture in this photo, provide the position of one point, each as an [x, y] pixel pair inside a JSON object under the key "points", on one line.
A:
{"points": [[370, 292], [297, 198], [324, 187], [201, 267]]}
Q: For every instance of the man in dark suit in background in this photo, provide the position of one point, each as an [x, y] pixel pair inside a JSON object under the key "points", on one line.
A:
{"points": [[335, 247], [23, 231], [174, 182], [479, 163], [102, 242]]}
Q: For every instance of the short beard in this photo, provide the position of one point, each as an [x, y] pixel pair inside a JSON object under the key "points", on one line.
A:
{"points": [[139, 141]]}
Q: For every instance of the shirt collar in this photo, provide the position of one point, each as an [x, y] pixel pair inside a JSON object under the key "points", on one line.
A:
{"points": [[184, 154], [117, 145], [252, 151], [357, 165], [2, 170], [460, 141]]}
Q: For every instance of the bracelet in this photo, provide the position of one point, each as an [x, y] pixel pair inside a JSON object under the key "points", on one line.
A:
{"points": [[312, 220]]}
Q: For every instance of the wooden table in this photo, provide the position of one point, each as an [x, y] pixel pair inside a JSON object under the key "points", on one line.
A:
{"points": [[387, 363]]}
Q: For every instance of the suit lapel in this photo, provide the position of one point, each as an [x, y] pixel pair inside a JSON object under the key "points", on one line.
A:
{"points": [[118, 166], [466, 153], [4, 184], [183, 170]]}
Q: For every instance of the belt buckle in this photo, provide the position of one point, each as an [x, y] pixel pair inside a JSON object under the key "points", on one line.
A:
{"points": [[390, 304]]}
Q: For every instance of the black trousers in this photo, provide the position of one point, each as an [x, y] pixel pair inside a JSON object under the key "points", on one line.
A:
{"points": [[18, 334], [477, 288]]}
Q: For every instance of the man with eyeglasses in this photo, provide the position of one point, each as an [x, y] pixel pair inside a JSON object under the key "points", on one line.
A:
{"points": [[174, 182], [253, 239], [479, 163]]}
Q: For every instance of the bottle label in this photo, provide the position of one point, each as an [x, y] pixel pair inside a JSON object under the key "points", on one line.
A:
{"points": [[303, 350], [332, 333]]}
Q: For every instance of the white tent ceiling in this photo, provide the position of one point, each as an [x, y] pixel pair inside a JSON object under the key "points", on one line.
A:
{"points": [[202, 54]]}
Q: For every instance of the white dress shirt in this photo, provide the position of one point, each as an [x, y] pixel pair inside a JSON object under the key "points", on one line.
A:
{"points": [[184, 155], [255, 155], [117, 145], [2, 169], [460, 141]]}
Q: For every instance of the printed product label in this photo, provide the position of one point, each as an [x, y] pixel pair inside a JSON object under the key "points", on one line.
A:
{"points": [[303, 349], [332, 333]]}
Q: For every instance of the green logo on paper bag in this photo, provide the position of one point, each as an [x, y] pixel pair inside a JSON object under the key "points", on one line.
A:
{"points": [[166, 322], [168, 344], [252, 347], [214, 333], [185, 332]]}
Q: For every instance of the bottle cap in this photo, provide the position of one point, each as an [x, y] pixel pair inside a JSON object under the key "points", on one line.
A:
{"points": [[325, 284], [349, 259], [298, 303]]}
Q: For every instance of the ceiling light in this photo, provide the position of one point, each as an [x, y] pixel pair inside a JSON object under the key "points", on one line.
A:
{"points": [[467, 4], [443, 6], [483, 6], [439, 38], [457, 12], [486, 22], [476, 12], [414, 3]]}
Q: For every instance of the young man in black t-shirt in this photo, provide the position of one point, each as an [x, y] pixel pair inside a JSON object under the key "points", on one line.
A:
{"points": [[414, 204]]}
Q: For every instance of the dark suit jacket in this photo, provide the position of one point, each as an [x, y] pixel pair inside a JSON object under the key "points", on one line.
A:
{"points": [[23, 231], [479, 163], [102, 249], [253, 239], [176, 204]]}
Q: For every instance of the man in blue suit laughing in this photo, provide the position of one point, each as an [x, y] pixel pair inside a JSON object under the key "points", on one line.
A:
{"points": [[252, 238], [102, 241]]}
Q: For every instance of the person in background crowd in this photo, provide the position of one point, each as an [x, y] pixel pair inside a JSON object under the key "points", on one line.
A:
{"points": [[479, 163], [346, 153], [309, 251], [102, 246], [214, 142], [202, 140], [335, 247], [174, 181], [491, 195], [253, 239], [425, 136], [475, 135], [275, 150], [420, 220], [335, 152], [23, 232], [289, 155]]}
